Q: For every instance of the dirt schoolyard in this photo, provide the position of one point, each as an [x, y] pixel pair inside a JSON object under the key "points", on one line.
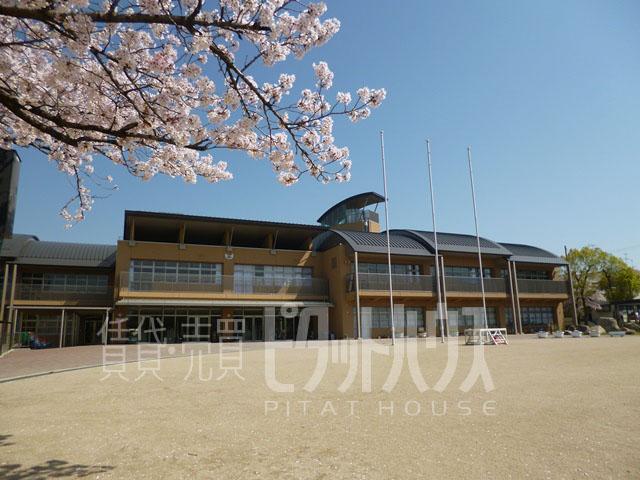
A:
{"points": [[543, 408]]}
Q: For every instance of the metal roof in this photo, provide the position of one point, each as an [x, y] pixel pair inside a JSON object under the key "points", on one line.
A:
{"points": [[360, 200], [200, 218], [529, 254], [11, 247], [369, 242], [455, 242], [28, 250]]}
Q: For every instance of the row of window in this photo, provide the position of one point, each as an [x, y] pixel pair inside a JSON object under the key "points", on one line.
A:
{"points": [[474, 272], [533, 274], [396, 268], [272, 271], [198, 272], [462, 318], [471, 317], [65, 282], [175, 272], [532, 316], [449, 271], [379, 317]]}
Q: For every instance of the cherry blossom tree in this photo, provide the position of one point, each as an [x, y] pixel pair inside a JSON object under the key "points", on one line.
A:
{"points": [[166, 86]]}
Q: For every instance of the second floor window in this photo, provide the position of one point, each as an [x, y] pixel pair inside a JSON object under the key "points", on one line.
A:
{"points": [[153, 271], [269, 278], [273, 271], [65, 282], [466, 272], [533, 274], [383, 268]]}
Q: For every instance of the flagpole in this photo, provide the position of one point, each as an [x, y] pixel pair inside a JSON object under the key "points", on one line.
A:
{"points": [[386, 216], [475, 217], [435, 238]]}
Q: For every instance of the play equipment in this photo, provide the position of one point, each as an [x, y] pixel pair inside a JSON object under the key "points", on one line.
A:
{"points": [[485, 336]]}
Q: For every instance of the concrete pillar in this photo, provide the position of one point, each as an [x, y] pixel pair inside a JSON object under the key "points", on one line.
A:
{"points": [[61, 342], [560, 315], [3, 325], [13, 317]]}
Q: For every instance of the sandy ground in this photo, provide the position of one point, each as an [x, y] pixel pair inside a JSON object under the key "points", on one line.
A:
{"points": [[561, 408]]}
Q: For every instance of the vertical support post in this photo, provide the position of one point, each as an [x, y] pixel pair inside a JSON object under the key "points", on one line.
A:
{"points": [[515, 282], [12, 316], [435, 239], [573, 297], [61, 343], [444, 295], [357, 278], [386, 215], [105, 333], [513, 300], [3, 328], [475, 217]]}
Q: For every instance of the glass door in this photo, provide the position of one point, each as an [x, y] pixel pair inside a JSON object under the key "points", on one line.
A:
{"points": [[253, 329], [196, 329]]}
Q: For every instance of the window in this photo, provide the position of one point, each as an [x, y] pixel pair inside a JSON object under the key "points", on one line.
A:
{"points": [[508, 316], [533, 318], [380, 318], [270, 278], [466, 272], [273, 271], [533, 274], [143, 273], [537, 316], [472, 317], [396, 268], [65, 282]]}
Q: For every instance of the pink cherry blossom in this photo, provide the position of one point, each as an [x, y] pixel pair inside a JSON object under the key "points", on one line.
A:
{"points": [[155, 87]]}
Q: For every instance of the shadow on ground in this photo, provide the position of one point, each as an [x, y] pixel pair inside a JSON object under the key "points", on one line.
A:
{"points": [[48, 469]]}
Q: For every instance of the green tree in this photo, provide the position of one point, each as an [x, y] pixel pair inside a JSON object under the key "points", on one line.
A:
{"points": [[619, 281], [586, 265], [595, 270]]}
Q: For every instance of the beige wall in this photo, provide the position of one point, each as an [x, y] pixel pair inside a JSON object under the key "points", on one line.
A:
{"points": [[334, 265]]}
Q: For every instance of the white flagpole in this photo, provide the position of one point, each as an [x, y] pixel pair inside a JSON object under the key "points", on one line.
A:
{"points": [[475, 217], [386, 216], [435, 238]]}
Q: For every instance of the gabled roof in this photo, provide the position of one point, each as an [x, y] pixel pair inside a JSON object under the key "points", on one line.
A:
{"points": [[369, 242], [455, 242], [529, 254], [28, 250], [360, 200]]}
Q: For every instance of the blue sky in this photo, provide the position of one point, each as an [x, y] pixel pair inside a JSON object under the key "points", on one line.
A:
{"points": [[546, 92]]}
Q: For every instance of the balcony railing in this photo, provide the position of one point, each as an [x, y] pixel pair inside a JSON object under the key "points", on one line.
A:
{"points": [[230, 284], [277, 285], [542, 286], [380, 281], [472, 284], [81, 294]]}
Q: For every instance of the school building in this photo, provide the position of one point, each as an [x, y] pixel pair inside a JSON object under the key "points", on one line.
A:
{"points": [[176, 278]]}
